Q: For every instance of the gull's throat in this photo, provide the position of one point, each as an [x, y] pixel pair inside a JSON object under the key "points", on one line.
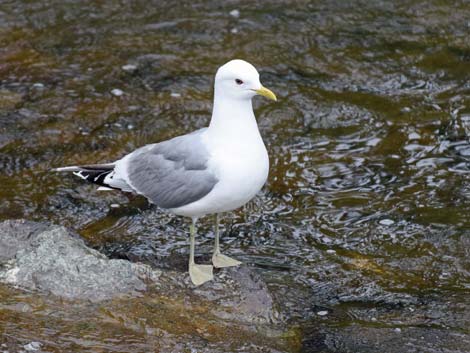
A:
{"points": [[233, 118]]}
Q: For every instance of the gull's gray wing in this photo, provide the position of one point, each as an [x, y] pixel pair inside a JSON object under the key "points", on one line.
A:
{"points": [[172, 173]]}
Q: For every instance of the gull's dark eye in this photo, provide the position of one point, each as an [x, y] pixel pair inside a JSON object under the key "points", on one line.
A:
{"points": [[238, 81]]}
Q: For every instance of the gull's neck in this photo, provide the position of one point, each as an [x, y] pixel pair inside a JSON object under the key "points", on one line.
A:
{"points": [[233, 119]]}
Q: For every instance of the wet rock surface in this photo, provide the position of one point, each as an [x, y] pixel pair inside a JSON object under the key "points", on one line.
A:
{"points": [[50, 260], [235, 295], [249, 300]]}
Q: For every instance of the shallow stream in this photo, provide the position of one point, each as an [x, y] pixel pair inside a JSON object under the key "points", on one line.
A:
{"points": [[362, 231]]}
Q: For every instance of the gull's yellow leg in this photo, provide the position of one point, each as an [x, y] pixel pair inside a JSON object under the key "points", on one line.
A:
{"points": [[219, 260], [199, 273]]}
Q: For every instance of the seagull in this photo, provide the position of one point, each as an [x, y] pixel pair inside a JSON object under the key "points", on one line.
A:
{"points": [[209, 171]]}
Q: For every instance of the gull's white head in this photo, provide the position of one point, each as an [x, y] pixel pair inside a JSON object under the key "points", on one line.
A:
{"points": [[239, 79]]}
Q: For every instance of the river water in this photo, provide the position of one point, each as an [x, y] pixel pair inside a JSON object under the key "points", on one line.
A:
{"points": [[361, 233]]}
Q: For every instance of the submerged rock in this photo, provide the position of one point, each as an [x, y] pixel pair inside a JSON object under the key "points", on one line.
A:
{"points": [[236, 294], [50, 259], [240, 288], [9, 99], [353, 338], [333, 116]]}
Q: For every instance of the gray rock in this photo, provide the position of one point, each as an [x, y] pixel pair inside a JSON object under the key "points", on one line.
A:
{"points": [[129, 68], [117, 92], [16, 235], [50, 259], [235, 13], [32, 346], [236, 294]]}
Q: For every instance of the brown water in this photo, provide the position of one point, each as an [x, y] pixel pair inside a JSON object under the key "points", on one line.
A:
{"points": [[365, 214]]}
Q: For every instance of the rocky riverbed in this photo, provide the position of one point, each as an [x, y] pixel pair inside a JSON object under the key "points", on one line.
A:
{"points": [[358, 242], [64, 273]]}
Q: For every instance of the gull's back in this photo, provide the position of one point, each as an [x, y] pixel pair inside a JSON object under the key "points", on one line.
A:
{"points": [[171, 173]]}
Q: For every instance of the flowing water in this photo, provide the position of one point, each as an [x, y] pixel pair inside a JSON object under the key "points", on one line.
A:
{"points": [[362, 231]]}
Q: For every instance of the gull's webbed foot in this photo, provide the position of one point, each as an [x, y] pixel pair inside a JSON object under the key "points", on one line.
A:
{"points": [[200, 273], [219, 260]]}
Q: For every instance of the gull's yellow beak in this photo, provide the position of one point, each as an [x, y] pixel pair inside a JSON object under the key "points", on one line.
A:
{"points": [[263, 91]]}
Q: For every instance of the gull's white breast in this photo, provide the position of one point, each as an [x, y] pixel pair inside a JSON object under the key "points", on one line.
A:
{"points": [[242, 168]]}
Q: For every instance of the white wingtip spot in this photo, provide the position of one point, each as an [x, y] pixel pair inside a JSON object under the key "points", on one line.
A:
{"points": [[80, 175]]}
